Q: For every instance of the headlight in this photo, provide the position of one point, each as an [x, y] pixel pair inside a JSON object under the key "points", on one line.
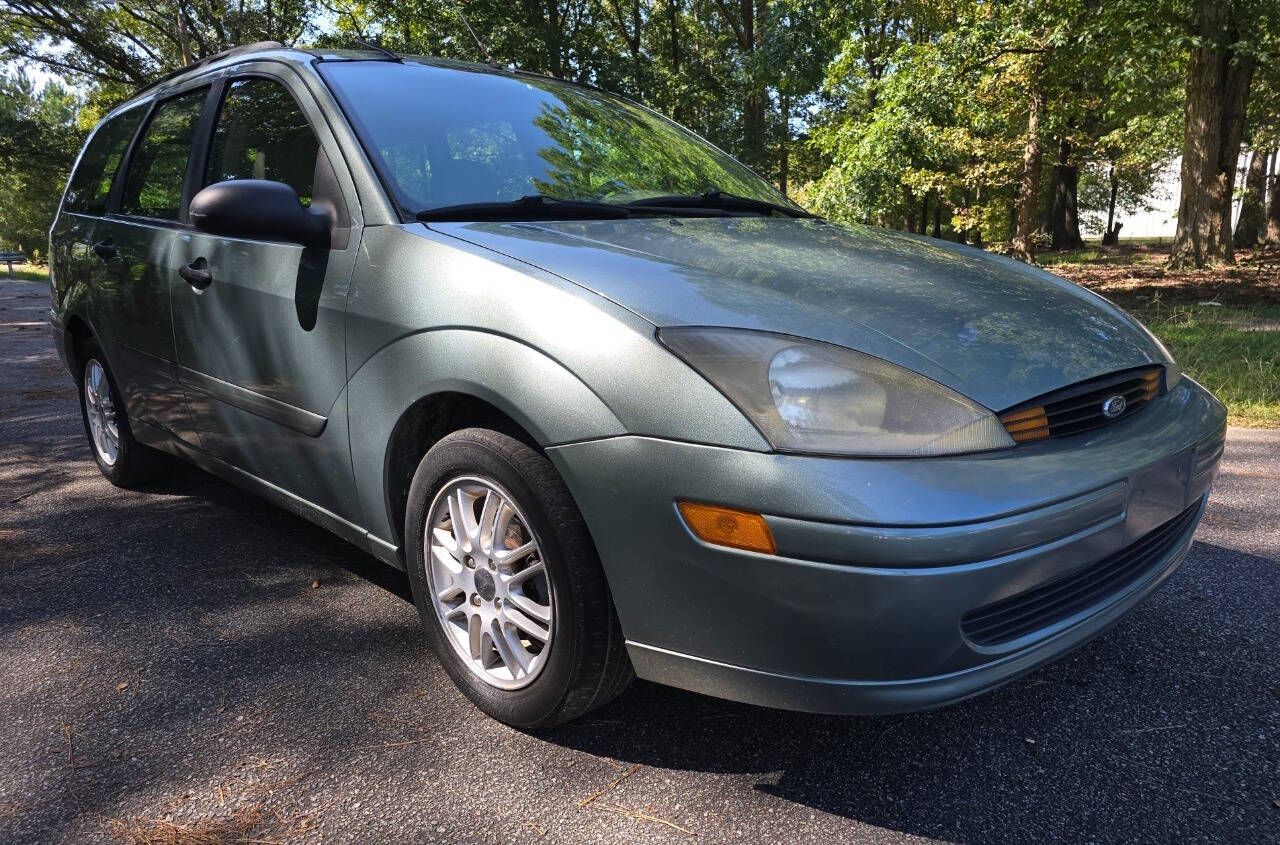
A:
{"points": [[807, 396]]}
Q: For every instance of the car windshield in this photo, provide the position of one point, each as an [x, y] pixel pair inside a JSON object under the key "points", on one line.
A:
{"points": [[442, 137]]}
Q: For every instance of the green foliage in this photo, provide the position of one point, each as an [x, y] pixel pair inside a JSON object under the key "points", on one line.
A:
{"points": [[39, 138], [882, 111], [117, 46], [931, 105]]}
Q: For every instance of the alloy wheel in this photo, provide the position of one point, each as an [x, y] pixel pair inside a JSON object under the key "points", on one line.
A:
{"points": [[489, 582], [100, 408]]}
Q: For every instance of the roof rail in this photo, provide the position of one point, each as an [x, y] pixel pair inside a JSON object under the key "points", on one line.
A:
{"points": [[234, 51]]}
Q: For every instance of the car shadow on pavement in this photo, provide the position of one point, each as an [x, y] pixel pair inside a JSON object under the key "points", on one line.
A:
{"points": [[189, 481], [1164, 728]]}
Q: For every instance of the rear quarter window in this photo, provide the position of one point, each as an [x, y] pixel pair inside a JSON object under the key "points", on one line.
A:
{"points": [[91, 182]]}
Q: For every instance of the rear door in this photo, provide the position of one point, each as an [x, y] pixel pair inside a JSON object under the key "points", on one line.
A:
{"points": [[72, 257], [261, 349], [133, 245]]}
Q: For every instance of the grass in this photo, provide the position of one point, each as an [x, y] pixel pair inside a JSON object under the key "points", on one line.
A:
{"points": [[27, 273], [1233, 351], [1222, 325]]}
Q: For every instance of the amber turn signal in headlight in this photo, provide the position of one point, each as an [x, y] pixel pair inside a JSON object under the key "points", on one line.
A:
{"points": [[728, 527]]}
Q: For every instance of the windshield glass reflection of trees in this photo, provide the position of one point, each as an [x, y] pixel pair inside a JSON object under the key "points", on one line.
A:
{"points": [[448, 137]]}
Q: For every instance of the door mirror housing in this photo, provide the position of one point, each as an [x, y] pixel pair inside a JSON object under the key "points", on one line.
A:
{"points": [[258, 209]]}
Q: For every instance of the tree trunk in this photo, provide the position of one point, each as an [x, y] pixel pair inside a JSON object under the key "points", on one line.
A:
{"points": [[924, 213], [1217, 92], [1239, 78], [1064, 219], [636, 60], [184, 37], [1023, 247], [1273, 207], [784, 152], [746, 28], [630, 24], [1111, 236], [937, 217], [1253, 206], [675, 37], [976, 239]]}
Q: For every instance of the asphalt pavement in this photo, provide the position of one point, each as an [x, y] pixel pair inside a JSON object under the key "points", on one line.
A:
{"points": [[187, 663]]}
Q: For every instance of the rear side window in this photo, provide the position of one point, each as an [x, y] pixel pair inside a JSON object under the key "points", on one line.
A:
{"points": [[153, 187], [91, 183], [263, 134]]}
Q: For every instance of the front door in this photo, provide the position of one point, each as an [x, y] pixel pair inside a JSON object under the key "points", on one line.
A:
{"points": [[261, 348]]}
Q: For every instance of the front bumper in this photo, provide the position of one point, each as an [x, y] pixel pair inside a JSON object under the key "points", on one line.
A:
{"points": [[880, 560]]}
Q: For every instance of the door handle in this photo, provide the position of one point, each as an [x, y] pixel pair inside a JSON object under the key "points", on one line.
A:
{"points": [[105, 249], [196, 274]]}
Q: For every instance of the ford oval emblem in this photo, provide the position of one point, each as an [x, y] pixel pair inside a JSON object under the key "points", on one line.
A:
{"points": [[1114, 406]]}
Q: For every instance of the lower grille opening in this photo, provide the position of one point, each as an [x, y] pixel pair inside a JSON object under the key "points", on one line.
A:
{"points": [[1028, 612]]}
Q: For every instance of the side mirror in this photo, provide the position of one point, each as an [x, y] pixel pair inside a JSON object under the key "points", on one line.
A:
{"points": [[258, 209]]}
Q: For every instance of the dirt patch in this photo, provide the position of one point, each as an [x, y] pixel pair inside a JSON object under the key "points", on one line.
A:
{"points": [[1142, 277], [38, 393]]}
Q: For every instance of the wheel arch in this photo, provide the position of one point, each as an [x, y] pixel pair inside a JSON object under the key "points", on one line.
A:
{"points": [[76, 330], [424, 386], [421, 426]]}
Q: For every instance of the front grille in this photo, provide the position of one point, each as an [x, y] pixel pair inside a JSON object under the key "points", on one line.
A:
{"points": [[1025, 613], [1079, 408]]}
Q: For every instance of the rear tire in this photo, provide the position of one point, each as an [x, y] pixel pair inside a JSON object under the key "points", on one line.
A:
{"points": [[122, 459], [514, 669]]}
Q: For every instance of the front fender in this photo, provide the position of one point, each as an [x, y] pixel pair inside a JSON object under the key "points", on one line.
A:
{"points": [[548, 401]]}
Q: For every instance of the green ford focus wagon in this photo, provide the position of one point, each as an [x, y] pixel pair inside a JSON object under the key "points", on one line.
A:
{"points": [[616, 405]]}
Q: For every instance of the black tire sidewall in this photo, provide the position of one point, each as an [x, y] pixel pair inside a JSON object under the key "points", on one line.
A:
{"points": [[118, 473], [539, 703]]}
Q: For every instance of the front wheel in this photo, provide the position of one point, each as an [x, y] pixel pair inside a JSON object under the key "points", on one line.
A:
{"points": [[508, 584]]}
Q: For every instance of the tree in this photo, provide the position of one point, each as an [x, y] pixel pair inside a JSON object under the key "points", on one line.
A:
{"points": [[121, 45], [1029, 188], [1273, 205], [896, 124], [980, 121], [39, 139], [1227, 37], [1253, 213], [1064, 213]]}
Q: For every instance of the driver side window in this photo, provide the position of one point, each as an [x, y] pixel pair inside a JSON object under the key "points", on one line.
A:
{"points": [[262, 134]]}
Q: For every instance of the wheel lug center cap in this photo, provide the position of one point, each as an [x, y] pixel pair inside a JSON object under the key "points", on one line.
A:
{"points": [[485, 585]]}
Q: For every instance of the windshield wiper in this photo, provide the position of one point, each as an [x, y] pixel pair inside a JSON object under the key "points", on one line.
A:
{"points": [[531, 207], [540, 207], [721, 201]]}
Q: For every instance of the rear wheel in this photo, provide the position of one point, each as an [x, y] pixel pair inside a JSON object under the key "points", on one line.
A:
{"points": [[508, 584], [123, 460]]}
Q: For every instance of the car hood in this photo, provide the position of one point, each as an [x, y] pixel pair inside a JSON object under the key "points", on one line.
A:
{"points": [[994, 329]]}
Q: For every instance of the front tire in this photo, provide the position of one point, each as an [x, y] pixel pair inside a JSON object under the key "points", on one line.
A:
{"points": [[508, 583], [122, 459]]}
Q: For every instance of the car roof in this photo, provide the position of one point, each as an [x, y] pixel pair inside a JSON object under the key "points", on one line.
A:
{"points": [[273, 50]]}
